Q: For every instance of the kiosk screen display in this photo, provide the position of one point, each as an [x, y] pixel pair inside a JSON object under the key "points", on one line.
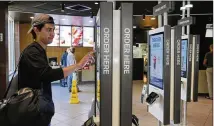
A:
{"points": [[184, 58], [156, 60]]}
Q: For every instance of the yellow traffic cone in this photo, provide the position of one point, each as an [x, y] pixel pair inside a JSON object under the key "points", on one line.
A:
{"points": [[74, 93], [98, 90]]}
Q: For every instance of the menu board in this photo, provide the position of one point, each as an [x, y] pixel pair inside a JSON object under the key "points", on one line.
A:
{"points": [[55, 41], [137, 52], [77, 33], [184, 58], [156, 60], [88, 36], [65, 36]]}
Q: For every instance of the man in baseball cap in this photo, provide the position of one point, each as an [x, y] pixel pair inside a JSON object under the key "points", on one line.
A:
{"points": [[34, 70]]}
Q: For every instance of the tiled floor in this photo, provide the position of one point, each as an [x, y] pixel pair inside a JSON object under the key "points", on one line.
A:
{"points": [[71, 114], [199, 113]]}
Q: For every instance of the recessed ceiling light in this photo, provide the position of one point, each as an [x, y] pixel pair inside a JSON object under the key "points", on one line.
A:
{"points": [[96, 3], [31, 17], [90, 21], [153, 18], [189, 6], [63, 19], [182, 8]]}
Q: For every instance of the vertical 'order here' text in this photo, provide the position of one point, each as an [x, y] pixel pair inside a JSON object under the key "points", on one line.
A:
{"points": [[106, 56], [127, 50]]}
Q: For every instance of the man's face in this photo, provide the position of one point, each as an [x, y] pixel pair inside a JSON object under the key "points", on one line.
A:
{"points": [[46, 34]]}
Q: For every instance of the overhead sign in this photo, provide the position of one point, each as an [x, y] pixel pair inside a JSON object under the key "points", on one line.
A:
{"points": [[209, 26], [186, 21], [161, 8]]}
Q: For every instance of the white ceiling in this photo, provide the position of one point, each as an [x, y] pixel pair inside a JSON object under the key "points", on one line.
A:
{"points": [[73, 20], [58, 19]]}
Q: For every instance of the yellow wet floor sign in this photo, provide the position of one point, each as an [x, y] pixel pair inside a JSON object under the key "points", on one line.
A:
{"points": [[74, 92], [98, 90], [98, 87]]}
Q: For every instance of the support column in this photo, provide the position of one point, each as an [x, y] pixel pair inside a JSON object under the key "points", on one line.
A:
{"points": [[183, 16], [126, 59], [17, 42], [159, 17], [3, 48], [188, 15], [106, 49]]}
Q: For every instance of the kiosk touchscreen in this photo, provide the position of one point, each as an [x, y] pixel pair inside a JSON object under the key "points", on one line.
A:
{"points": [[185, 67], [158, 99], [156, 60], [184, 46], [184, 43]]}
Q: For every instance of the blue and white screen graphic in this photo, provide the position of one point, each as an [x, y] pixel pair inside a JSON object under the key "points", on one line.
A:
{"points": [[156, 60], [184, 58]]}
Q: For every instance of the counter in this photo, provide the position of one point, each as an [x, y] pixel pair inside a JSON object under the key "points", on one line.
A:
{"points": [[87, 75], [202, 82]]}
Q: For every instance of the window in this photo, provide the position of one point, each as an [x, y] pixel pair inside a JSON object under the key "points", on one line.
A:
{"points": [[11, 45]]}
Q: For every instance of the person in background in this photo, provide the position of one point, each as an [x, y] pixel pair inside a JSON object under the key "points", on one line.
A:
{"points": [[208, 63], [71, 61], [64, 59], [64, 64]]}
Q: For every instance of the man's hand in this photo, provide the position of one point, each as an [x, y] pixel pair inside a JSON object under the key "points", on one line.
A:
{"points": [[89, 58]]}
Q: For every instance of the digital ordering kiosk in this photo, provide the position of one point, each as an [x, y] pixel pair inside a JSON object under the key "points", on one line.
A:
{"points": [[173, 69], [114, 42], [159, 74], [189, 67], [186, 68]]}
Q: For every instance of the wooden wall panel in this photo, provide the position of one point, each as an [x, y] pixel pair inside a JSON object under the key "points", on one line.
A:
{"points": [[51, 51], [148, 22], [25, 39]]}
